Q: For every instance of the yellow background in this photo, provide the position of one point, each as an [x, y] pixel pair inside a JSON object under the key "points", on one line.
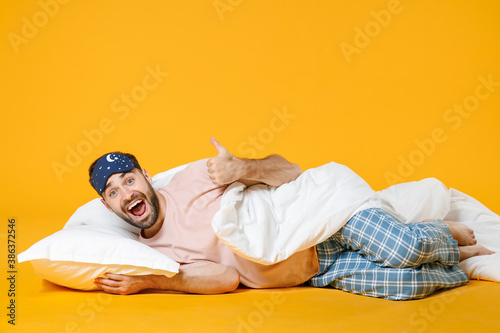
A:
{"points": [[230, 70]]}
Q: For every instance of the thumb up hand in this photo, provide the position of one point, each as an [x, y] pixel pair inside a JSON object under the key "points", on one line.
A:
{"points": [[223, 152], [224, 168]]}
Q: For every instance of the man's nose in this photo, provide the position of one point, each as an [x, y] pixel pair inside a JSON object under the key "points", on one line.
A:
{"points": [[128, 193]]}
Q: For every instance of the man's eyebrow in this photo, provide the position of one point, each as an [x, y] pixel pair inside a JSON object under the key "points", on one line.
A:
{"points": [[121, 176]]}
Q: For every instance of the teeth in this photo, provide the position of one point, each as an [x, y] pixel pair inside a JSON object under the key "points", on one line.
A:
{"points": [[134, 204]]}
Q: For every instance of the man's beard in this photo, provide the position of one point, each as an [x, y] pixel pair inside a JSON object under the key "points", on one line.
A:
{"points": [[151, 200]]}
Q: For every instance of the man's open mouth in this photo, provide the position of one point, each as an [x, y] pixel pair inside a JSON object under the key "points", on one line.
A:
{"points": [[137, 208]]}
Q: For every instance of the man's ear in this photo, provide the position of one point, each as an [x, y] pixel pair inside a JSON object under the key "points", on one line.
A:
{"points": [[107, 206], [147, 176]]}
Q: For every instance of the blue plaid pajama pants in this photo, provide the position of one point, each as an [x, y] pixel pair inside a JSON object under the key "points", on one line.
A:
{"points": [[376, 255]]}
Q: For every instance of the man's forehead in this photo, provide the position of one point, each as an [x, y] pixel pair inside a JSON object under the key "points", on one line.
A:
{"points": [[118, 175]]}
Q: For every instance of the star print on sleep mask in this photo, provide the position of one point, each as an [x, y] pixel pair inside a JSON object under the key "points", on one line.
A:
{"points": [[106, 166]]}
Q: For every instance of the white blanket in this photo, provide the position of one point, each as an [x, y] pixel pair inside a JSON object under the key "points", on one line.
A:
{"points": [[267, 224]]}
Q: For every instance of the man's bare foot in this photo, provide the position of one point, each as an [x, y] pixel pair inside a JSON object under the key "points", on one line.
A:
{"points": [[461, 233], [470, 251]]}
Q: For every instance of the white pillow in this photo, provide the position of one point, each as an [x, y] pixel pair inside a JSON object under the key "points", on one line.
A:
{"points": [[95, 241], [486, 226], [94, 213], [74, 257]]}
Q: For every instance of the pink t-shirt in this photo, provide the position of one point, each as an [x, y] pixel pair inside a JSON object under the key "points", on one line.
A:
{"points": [[187, 236]]}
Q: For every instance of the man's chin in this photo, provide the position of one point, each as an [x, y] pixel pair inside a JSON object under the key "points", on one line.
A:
{"points": [[145, 225], [143, 222]]}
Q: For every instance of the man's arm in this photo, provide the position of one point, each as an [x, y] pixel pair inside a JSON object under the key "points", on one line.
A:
{"points": [[196, 278], [273, 170]]}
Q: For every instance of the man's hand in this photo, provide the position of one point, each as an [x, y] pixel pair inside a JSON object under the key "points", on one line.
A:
{"points": [[273, 170], [123, 284], [197, 278], [224, 168]]}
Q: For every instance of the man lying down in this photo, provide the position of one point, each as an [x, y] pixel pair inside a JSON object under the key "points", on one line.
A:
{"points": [[373, 254]]}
